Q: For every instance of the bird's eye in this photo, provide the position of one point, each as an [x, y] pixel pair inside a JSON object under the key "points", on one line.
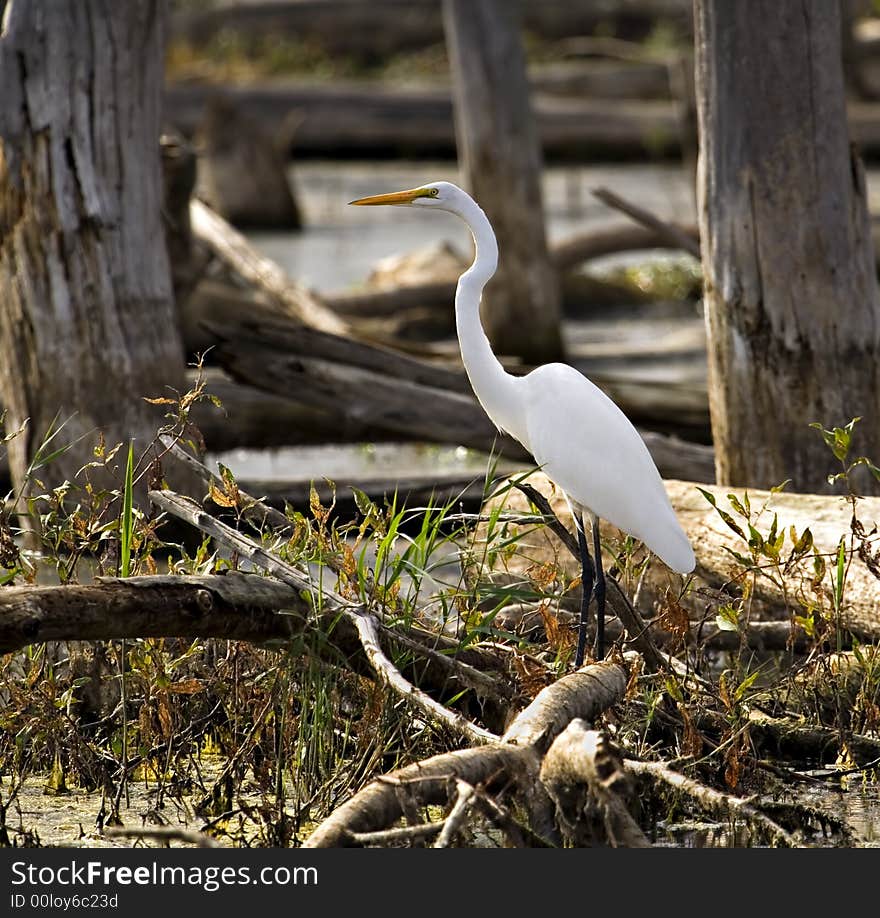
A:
{"points": [[435, 192]]}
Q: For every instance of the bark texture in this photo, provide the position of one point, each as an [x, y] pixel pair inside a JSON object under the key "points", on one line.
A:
{"points": [[500, 154], [793, 311], [87, 322]]}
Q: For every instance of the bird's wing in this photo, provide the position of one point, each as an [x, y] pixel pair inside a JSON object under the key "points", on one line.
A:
{"points": [[586, 444]]}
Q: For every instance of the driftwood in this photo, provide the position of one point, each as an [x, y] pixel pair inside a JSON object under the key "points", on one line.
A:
{"points": [[722, 806], [362, 383], [242, 173], [569, 780], [675, 236], [373, 118], [235, 252], [720, 576], [388, 390], [585, 693], [566, 254], [582, 772], [276, 357], [236, 606], [828, 517]]}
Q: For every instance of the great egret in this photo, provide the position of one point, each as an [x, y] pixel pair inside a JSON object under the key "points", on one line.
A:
{"points": [[575, 432]]}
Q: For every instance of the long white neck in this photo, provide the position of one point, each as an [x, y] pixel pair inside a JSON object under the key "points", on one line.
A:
{"points": [[494, 387]]}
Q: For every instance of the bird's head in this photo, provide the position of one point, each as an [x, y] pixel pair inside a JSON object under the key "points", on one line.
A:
{"points": [[442, 195]]}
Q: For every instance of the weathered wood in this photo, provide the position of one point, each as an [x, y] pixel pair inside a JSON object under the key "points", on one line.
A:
{"points": [[365, 384], [517, 757], [375, 119], [87, 326], [793, 310], [827, 517], [602, 79], [243, 170], [582, 773], [675, 236], [381, 803], [366, 394], [282, 336], [257, 419], [610, 240], [585, 694], [236, 606], [234, 251], [425, 279], [499, 153], [721, 805], [565, 254]]}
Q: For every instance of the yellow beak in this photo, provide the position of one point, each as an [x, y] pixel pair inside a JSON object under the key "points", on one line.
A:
{"points": [[396, 197]]}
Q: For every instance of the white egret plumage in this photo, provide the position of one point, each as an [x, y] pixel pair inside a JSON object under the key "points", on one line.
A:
{"points": [[576, 433]]}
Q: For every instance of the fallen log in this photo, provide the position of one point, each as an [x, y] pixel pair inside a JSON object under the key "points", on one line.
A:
{"points": [[238, 255], [582, 772], [391, 403], [610, 240], [371, 385], [566, 254], [237, 607], [569, 781], [358, 119], [796, 589], [585, 693], [828, 517], [602, 79], [374, 119]]}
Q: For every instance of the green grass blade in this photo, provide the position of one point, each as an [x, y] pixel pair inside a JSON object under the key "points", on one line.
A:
{"points": [[127, 515]]}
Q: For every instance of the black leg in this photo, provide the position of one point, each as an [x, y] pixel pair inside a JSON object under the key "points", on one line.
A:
{"points": [[587, 586], [599, 593]]}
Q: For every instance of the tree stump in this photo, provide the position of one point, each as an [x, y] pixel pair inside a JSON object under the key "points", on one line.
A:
{"points": [[87, 321], [791, 291], [242, 171]]}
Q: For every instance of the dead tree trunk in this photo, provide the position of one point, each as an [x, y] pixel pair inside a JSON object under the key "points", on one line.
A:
{"points": [[87, 321], [791, 294], [499, 151]]}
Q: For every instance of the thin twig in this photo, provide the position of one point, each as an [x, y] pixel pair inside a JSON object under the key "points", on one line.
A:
{"points": [[453, 823]]}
